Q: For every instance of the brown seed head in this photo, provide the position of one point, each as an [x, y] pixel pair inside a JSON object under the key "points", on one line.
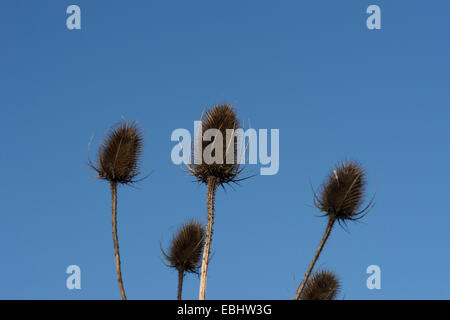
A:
{"points": [[186, 248], [220, 117], [341, 196], [119, 155], [322, 285]]}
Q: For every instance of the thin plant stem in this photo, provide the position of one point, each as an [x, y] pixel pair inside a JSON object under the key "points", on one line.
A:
{"points": [[180, 283], [212, 186], [115, 238], [316, 256]]}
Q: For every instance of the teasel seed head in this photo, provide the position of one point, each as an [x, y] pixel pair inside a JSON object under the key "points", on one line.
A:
{"points": [[220, 117], [322, 285], [186, 247], [119, 155], [342, 194]]}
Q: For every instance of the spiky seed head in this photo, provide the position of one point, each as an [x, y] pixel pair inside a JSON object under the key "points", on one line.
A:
{"points": [[341, 195], [119, 155], [186, 247], [220, 117], [322, 285]]}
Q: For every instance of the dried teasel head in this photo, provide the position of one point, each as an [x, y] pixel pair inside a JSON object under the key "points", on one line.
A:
{"points": [[119, 155], [322, 285], [342, 194], [221, 117], [186, 248]]}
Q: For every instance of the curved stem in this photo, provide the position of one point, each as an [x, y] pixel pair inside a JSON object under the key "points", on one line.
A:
{"points": [[115, 238], [212, 186], [180, 283], [316, 256]]}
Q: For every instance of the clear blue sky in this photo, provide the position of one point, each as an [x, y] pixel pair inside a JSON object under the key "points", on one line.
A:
{"points": [[309, 68]]}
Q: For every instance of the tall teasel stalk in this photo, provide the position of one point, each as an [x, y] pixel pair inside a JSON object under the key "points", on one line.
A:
{"points": [[185, 251], [219, 172], [340, 198], [119, 157]]}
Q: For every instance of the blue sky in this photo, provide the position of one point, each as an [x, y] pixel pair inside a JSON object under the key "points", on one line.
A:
{"points": [[311, 69]]}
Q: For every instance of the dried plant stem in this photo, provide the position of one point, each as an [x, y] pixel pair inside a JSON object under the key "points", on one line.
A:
{"points": [[115, 238], [180, 283], [212, 186], [316, 256]]}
